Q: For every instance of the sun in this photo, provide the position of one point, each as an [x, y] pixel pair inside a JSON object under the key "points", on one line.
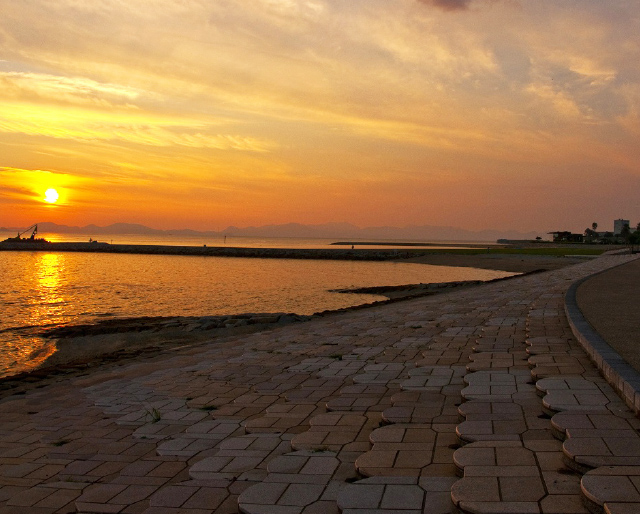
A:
{"points": [[51, 196]]}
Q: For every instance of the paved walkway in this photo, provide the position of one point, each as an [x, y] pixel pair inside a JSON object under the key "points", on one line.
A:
{"points": [[610, 302], [480, 399]]}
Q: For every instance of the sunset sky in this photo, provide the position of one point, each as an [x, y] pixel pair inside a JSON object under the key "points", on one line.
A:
{"points": [[502, 114]]}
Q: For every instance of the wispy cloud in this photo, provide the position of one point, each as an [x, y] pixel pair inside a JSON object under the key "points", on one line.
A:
{"points": [[76, 90], [80, 125]]}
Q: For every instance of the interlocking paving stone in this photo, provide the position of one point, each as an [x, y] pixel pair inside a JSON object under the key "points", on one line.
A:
{"points": [[387, 495], [398, 450], [585, 453], [295, 480], [577, 424], [207, 397], [612, 489], [279, 418], [238, 455], [497, 385], [358, 397], [329, 431], [500, 476], [496, 360], [491, 421], [429, 378]]}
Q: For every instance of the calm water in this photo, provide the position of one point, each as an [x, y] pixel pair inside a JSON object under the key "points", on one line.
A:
{"points": [[39, 289]]}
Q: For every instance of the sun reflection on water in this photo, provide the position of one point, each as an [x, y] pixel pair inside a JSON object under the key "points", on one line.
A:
{"points": [[47, 303], [48, 300], [48, 289]]}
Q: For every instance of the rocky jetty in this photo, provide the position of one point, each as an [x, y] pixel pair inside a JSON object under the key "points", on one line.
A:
{"points": [[221, 251], [412, 289]]}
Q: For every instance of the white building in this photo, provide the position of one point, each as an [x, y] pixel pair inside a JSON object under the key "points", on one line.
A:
{"points": [[618, 225]]}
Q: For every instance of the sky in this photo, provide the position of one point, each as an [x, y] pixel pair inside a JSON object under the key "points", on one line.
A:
{"points": [[479, 114]]}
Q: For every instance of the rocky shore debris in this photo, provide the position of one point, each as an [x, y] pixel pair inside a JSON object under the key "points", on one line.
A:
{"points": [[160, 323], [205, 323], [411, 290]]}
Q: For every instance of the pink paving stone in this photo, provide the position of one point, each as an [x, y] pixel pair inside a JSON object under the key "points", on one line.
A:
{"points": [[402, 497], [320, 465], [512, 489], [509, 318], [360, 496], [596, 452], [58, 499], [475, 489], [563, 504], [29, 497], [139, 468], [621, 508], [207, 498], [547, 385], [301, 494], [100, 493], [351, 403], [97, 508], [477, 507], [133, 494], [601, 489], [407, 414], [255, 442], [559, 401], [172, 496], [262, 494]]}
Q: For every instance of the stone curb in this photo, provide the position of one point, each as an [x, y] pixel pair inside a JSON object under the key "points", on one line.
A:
{"points": [[620, 375]]}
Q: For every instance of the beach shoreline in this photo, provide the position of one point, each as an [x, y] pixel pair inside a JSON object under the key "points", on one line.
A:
{"points": [[81, 348]]}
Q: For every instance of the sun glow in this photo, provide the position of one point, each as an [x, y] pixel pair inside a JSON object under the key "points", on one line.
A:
{"points": [[51, 196]]}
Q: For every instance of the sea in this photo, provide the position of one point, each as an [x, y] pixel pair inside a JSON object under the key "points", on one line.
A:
{"points": [[48, 289]]}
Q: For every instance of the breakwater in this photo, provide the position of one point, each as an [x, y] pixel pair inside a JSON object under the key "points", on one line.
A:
{"points": [[217, 251]]}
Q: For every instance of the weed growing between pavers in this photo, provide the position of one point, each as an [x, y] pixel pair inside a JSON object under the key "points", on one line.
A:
{"points": [[154, 414]]}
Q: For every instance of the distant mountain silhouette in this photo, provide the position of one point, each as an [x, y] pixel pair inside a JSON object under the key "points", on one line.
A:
{"points": [[346, 231]]}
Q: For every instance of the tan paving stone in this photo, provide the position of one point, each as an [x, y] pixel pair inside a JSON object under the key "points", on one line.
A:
{"points": [[172, 496], [246, 380]]}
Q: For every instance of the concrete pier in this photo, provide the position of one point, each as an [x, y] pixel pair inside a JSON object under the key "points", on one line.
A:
{"points": [[218, 251]]}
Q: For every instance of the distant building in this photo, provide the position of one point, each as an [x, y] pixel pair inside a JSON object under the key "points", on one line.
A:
{"points": [[618, 225], [563, 236]]}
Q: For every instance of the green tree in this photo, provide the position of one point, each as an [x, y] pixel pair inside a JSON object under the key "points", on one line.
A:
{"points": [[590, 235], [594, 226], [625, 233], [634, 240]]}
